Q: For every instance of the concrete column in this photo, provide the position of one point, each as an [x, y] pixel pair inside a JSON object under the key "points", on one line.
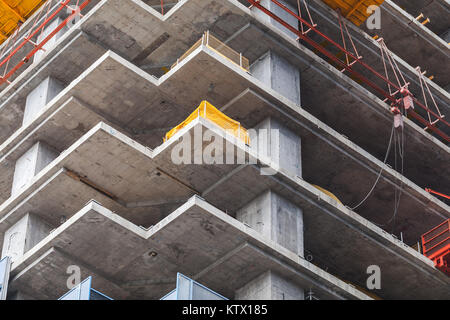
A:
{"points": [[288, 18], [270, 286], [277, 219], [23, 236], [47, 30], [39, 97], [31, 163], [278, 74], [278, 143]]}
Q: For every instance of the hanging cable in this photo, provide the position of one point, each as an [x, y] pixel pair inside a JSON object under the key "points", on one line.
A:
{"points": [[379, 174]]}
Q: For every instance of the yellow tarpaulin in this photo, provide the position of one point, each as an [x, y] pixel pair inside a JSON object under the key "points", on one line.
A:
{"points": [[13, 12], [328, 193], [208, 111], [354, 10]]}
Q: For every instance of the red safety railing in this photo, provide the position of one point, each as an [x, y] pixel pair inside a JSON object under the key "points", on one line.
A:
{"points": [[349, 67], [436, 246], [24, 59]]}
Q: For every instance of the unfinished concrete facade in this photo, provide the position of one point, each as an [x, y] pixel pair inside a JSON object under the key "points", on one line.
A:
{"points": [[86, 179]]}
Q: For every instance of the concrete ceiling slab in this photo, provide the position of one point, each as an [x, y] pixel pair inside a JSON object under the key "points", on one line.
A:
{"points": [[175, 241], [425, 48], [47, 276]]}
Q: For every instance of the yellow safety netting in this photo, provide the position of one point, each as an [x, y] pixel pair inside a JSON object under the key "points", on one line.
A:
{"points": [[13, 12], [208, 111], [354, 10]]}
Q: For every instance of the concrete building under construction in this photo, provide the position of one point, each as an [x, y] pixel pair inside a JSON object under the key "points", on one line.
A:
{"points": [[339, 110]]}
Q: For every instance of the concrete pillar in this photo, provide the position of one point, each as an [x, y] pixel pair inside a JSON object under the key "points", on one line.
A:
{"points": [[39, 97], [30, 164], [277, 219], [278, 143], [47, 30], [288, 18], [23, 236], [278, 74], [270, 286]]}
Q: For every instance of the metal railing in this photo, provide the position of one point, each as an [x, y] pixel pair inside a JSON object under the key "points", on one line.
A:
{"points": [[219, 47]]}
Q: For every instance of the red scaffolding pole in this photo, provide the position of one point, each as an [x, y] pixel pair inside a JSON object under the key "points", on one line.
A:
{"points": [[40, 45]]}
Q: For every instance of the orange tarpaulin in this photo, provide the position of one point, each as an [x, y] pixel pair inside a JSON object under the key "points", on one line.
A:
{"points": [[354, 10], [208, 111]]}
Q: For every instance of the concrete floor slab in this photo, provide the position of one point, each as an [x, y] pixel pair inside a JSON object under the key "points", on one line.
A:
{"points": [[68, 195], [123, 244]]}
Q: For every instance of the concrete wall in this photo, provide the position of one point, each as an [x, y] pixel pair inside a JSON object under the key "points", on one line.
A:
{"points": [[23, 236], [280, 144], [288, 18], [47, 30], [279, 75], [270, 286], [39, 97], [30, 164], [277, 219]]}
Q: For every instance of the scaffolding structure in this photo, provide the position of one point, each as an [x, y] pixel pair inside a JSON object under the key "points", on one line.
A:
{"points": [[13, 49], [348, 65]]}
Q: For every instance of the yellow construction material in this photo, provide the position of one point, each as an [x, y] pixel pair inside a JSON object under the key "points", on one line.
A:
{"points": [[208, 111], [14, 12], [328, 193], [354, 10]]}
